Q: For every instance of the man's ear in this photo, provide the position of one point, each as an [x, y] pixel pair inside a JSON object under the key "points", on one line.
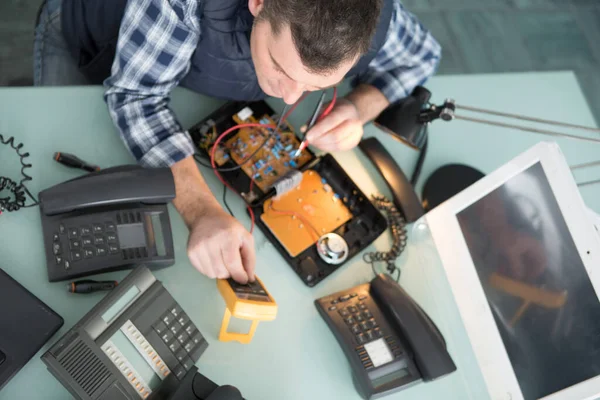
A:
{"points": [[255, 6]]}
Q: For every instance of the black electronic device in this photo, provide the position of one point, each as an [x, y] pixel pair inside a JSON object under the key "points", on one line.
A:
{"points": [[194, 386], [390, 342], [446, 182], [346, 220], [26, 324], [128, 345], [405, 197], [106, 221]]}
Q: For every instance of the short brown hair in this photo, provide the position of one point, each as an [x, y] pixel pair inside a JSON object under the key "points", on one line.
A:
{"points": [[325, 32]]}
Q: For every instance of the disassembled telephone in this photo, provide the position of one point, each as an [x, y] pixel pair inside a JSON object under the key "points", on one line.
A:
{"points": [[318, 225], [251, 302]]}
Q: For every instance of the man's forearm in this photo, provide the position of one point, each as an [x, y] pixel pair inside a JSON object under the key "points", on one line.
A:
{"points": [[193, 196], [369, 101]]}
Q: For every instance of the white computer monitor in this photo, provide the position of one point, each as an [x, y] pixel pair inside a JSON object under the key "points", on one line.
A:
{"points": [[523, 259]]}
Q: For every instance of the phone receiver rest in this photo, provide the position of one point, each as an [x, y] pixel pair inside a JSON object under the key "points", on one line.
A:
{"points": [[116, 185], [417, 329]]}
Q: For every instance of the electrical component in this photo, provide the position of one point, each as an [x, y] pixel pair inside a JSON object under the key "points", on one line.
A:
{"points": [[332, 248], [288, 182]]}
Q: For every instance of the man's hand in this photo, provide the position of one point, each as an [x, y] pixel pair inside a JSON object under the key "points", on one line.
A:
{"points": [[218, 246], [342, 129]]}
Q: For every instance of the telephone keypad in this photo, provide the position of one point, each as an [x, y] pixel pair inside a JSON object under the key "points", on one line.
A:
{"points": [[181, 336], [344, 313]]}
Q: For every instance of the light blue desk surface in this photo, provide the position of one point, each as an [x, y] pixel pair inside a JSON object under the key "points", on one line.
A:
{"points": [[294, 357]]}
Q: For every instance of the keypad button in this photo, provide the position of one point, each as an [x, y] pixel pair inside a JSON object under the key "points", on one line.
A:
{"points": [[187, 363], [367, 314], [67, 264], [111, 237], [370, 335], [175, 328], [61, 229], [174, 346], [73, 233], [97, 228], [179, 371], [372, 323], [167, 336], [112, 249], [86, 241], [58, 260], [197, 337], [362, 297], [110, 226], [335, 301], [362, 306], [98, 240], [332, 308], [183, 337], [85, 230], [55, 237], [196, 353], [101, 250], [353, 309], [361, 338], [359, 318], [76, 255], [345, 297], [377, 332], [355, 329], [190, 329], [349, 320], [188, 346], [344, 313], [181, 354], [183, 319], [88, 253], [75, 244], [56, 249], [175, 311], [160, 328], [168, 319], [353, 295], [364, 326]]}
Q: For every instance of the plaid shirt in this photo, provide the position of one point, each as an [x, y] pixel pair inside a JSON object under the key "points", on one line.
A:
{"points": [[154, 51]]}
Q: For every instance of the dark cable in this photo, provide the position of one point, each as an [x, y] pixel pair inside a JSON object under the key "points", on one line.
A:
{"points": [[420, 160], [225, 201], [18, 189], [397, 225]]}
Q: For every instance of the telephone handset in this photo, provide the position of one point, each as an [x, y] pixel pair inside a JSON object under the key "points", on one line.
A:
{"points": [[109, 220], [389, 341]]}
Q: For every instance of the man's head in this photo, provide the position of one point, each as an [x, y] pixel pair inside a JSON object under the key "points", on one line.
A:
{"points": [[307, 45]]}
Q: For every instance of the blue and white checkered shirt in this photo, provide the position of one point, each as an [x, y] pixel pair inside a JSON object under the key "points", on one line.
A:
{"points": [[154, 51]]}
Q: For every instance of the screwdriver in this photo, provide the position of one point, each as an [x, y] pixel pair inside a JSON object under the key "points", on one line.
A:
{"points": [[73, 161], [89, 286]]}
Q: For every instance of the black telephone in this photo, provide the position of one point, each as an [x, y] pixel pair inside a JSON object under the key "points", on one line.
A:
{"points": [[390, 342], [107, 221]]}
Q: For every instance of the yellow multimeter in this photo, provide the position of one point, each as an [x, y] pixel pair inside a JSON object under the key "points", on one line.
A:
{"points": [[251, 302]]}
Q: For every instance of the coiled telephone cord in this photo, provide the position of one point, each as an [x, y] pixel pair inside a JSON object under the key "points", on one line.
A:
{"points": [[18, 190]]}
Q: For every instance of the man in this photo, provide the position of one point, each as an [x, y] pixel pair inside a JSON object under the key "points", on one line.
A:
{"points": [[234, 49]]}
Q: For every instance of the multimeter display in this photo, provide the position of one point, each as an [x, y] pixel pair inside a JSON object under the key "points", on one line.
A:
{"points": [[251, 291]]}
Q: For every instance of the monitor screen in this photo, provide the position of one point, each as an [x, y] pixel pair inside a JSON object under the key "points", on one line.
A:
{"points": [[542, 300]]}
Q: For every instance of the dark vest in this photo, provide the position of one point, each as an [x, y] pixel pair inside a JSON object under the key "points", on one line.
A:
{"points": [[222, 64]]}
